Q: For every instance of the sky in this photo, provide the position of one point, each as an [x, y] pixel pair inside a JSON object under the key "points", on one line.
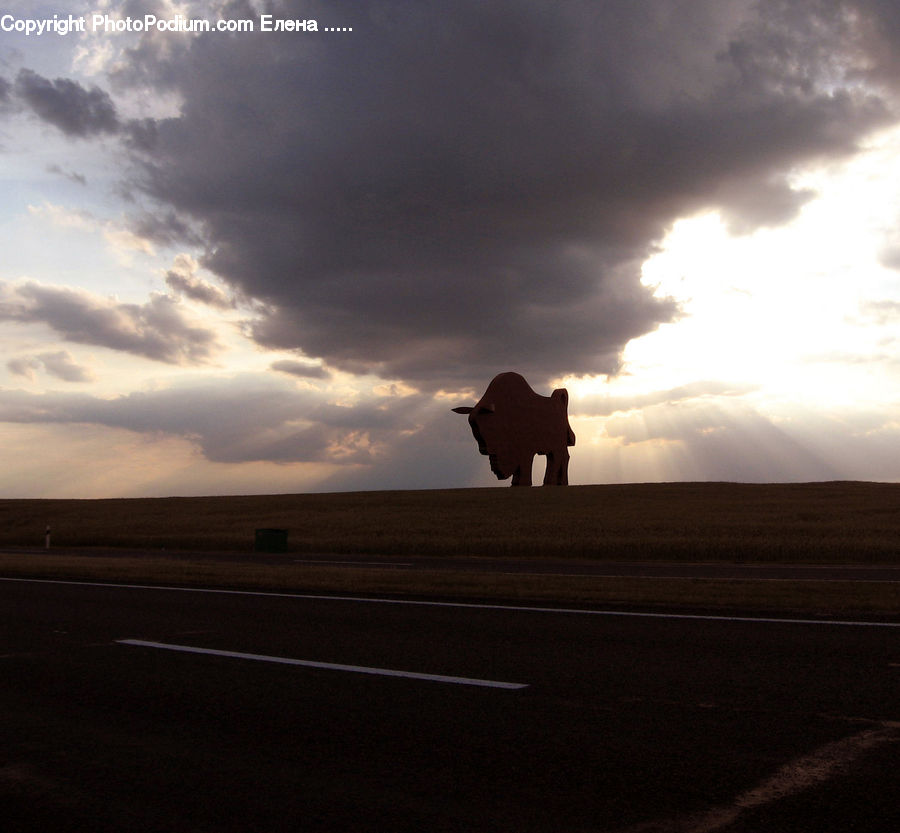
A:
{"points": [[269, 261]]}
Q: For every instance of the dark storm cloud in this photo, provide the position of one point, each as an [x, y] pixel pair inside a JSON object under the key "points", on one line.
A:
{"points": [[240, 420], [164, 227], [456, 189], [67, 105], [155, 330], [140, 134], [748, 206], [76, 111]]}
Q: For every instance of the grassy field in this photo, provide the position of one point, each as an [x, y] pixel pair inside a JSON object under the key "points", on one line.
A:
{"points": [[817, 522], [841, 599]]}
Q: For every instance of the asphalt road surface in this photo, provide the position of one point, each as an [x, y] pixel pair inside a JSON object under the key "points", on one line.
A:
{"points": [[175, 710]]}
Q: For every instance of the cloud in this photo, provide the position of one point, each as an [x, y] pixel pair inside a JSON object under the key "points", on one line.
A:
{"points": [[182, 279], [73, 176], [890, 257], [748, 206], [165, 228], [76, 111], [122, 237], [156, 330], [65, 217], [459, 191], [24, 366], [881, 312], [243, 419], [67, 105], [59, 364], [452, 192], [300, 369]]}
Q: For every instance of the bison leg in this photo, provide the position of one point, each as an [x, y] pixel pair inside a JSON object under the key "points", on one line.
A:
{"points": [[522, 474], [557, 471]]}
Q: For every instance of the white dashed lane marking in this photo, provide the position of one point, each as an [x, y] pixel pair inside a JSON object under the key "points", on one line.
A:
{"points": [[330, 666]]}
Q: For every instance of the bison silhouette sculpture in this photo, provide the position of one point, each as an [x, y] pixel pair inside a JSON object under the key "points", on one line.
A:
{"points": [[511, 423]]}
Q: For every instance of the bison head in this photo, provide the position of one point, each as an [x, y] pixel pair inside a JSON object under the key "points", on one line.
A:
{"points": [[492, 438]]}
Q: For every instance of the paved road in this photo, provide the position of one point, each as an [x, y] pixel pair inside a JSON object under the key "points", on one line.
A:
{"points": [[603, 722]]}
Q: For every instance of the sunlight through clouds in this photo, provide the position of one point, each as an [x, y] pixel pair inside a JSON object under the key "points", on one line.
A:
{"points": [[767, 307], [801, 317]]}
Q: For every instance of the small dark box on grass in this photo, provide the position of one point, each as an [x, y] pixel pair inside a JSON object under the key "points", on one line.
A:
{"points": [[270, 540]]}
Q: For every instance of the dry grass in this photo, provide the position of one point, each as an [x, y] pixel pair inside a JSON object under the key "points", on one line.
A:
{"points": [[828, 599], [787, 523], [817, 522]]}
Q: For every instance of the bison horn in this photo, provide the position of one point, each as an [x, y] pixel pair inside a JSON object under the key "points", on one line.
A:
{"points": [[463, 409]]}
